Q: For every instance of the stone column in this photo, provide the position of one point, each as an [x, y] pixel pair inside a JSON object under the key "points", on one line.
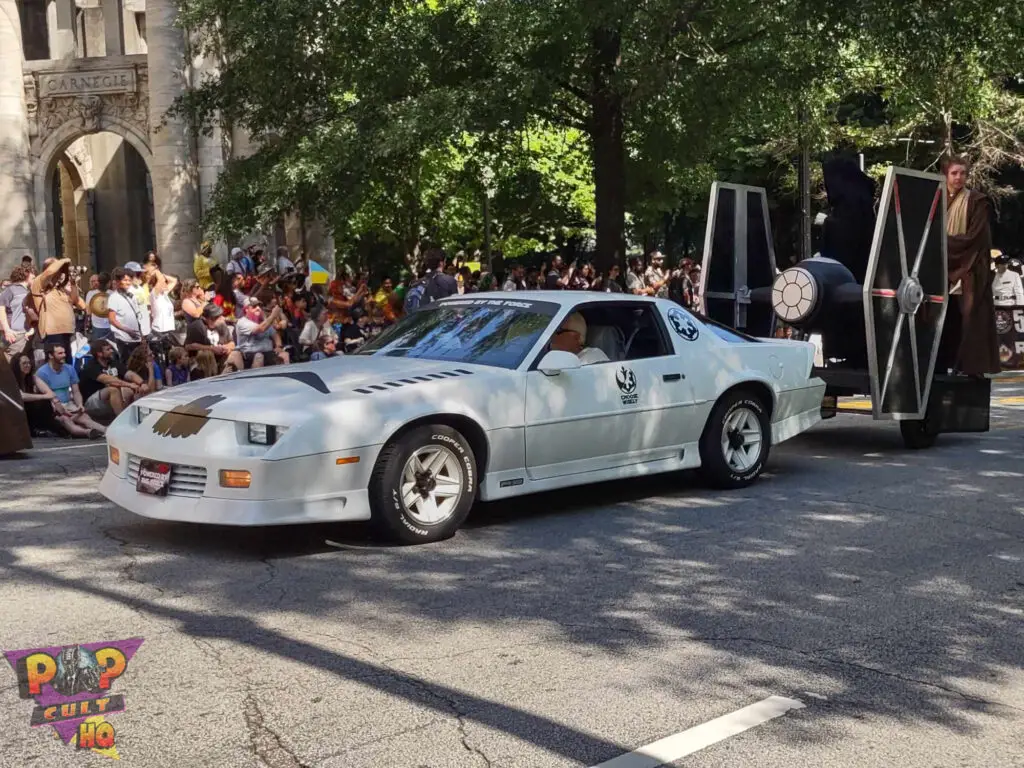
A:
{"points": [[17, 233], [175, 183], [210, 154]]}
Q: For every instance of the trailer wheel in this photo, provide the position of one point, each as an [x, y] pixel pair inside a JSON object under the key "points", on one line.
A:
{"points": [[918, 434]]}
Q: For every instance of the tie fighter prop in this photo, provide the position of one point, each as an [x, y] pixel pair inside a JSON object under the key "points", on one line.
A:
{"points": [[878, 305], [739, 245]]}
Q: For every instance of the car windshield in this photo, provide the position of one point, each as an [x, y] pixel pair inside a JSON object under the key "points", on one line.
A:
{"points": [[495, 331]]}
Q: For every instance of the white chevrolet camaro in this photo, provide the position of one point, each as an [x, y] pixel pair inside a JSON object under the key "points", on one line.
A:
{"points": [[464, 400]]}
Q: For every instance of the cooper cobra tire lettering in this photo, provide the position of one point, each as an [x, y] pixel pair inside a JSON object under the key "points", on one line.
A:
{"points": [[714, 467], [387, 508]]}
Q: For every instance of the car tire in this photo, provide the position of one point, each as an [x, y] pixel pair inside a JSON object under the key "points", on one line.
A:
{"points": [[726, 456], [434, 467]]}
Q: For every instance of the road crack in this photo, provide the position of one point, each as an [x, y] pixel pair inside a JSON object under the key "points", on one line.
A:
{"points": [[264, 742]]}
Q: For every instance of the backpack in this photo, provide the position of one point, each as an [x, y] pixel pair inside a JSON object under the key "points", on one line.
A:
{"points": [[414, 296]]}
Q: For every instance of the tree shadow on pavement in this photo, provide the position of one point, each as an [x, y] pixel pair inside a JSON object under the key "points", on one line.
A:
{"points": [[848, 577]]}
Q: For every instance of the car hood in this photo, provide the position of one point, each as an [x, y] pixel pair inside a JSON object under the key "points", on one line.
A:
{"points": [[286, 395]]}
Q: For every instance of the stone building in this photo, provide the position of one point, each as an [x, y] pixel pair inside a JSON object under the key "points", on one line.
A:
{"points": [[89, 167]]}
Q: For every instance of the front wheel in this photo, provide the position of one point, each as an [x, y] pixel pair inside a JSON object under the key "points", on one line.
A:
{"points": [[423, 485], [918, 434], [736, 441]]}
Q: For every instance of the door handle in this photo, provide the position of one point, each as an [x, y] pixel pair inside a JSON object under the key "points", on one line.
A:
{"points": [[673, 377]]}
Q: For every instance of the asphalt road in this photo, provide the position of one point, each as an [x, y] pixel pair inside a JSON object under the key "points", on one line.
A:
{"points": [[882, 589]]}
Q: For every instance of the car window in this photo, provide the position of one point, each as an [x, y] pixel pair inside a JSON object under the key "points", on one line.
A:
{"points": [[626, 331], [498, 332]]}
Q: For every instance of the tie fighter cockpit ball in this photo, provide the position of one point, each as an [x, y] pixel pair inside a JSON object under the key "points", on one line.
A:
{"points": [[877, 295]]}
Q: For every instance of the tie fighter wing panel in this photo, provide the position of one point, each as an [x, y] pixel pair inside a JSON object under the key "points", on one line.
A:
{"points": [[906, 293], [739, 258]]}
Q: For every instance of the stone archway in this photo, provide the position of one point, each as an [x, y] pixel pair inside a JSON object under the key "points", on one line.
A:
{"points": [[105, 95]]}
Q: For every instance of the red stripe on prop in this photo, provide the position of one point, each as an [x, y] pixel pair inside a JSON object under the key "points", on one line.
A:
{"points": [[884, 293], [896, 195], [937, 299]]}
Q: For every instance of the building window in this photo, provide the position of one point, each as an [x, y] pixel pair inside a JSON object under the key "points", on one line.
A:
{"points": [[140, 24], [34, 36]]}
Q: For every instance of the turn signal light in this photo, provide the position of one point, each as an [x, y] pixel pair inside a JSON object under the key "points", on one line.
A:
{"points": [[235, 478], [347, 460], [115, 455]]}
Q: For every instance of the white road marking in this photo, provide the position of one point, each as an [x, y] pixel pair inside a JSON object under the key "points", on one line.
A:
{"points": [[68, 448], [687, 742]]}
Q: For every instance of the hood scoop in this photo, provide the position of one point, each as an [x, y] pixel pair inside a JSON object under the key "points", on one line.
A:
{"points": [[411, 381]]}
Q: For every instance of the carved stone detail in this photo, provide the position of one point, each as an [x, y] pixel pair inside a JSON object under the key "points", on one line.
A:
{"points": [[48, 113]]}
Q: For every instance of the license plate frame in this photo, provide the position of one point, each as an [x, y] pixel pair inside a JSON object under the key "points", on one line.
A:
{"points": [[154, 477]]}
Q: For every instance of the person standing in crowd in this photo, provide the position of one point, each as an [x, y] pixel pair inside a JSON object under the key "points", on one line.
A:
{"points": [[635, 278], [123, 313], [610, 283], [54, 297], [202, 264], [438, 285], [60, 382], [96, 305], [236, 263], [12, 313], [976, 350], [514, 279], [655, 277], [225, 294], [193, 299], [284, 263], [139, 292], [1007, 289], [556, 280]]}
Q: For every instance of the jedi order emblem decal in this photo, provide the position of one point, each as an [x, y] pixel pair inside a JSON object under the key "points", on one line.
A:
{"points": [[186, 420], [626, 380], [71, 686], [683, 325]]}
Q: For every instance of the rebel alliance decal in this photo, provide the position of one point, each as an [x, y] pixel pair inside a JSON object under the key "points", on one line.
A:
{"points": [[186, 420], [683, 325], [626, 380]]}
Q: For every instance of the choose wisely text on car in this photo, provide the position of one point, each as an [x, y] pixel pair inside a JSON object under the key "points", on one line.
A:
{"points": [[483, 396]]}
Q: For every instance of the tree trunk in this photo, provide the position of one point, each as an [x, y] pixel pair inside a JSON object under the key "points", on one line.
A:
{"points": [[609, 153]]}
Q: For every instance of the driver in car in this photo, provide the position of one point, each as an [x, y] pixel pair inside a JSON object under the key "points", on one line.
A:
{"points": [[572, 337]]}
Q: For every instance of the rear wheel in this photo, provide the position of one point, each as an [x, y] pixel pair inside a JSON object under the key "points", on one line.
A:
{"points": [[423, 485], [736, 441], [918, 434]]}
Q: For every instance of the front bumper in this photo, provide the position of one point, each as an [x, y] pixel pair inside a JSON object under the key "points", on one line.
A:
{"points": [[310, 489]]}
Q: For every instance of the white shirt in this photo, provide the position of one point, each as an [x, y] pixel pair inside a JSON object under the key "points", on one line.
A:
{"points": [[163, 313], [1007, 289], [591, 355], [126, 311]]}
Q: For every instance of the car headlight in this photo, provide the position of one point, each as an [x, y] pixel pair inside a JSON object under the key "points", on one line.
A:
{"points": [[265, 434]]}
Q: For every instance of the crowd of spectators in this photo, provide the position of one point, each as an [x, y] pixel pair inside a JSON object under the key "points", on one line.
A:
{"points": [[81, 356]]}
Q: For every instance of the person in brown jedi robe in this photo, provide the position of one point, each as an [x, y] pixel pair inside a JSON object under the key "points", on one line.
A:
{"points": [[14, 432], [972, 346]]}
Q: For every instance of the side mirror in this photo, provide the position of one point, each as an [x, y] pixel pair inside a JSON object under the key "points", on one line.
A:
{"points": [[555, 361]]}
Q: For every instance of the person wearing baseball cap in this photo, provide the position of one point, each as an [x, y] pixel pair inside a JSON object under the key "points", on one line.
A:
{"points": [[203, 335]]}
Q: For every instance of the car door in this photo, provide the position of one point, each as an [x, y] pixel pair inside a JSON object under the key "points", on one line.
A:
{"points": [[633, 409]]}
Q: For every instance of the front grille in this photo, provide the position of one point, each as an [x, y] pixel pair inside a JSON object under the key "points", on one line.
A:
{"points": [[185, 480]]}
